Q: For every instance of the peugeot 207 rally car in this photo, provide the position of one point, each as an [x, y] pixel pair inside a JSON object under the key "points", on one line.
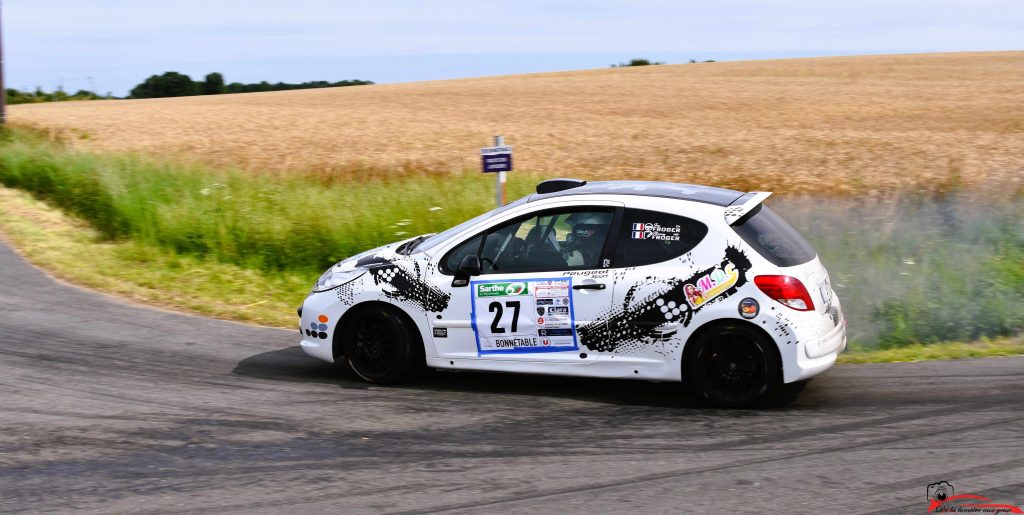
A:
{"points": [[619, 279]]}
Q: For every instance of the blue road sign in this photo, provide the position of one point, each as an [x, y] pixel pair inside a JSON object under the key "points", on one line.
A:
{"points": [[496, 159]]}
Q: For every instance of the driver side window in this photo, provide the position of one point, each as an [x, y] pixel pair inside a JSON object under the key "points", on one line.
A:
{"points": [[553, 240]]}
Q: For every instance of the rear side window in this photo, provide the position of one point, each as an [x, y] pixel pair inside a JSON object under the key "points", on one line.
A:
{"points": [[773, 238], [648, 237]]}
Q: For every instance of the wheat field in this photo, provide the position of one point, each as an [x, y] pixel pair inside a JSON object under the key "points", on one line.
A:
{"points": [[838, 125]]}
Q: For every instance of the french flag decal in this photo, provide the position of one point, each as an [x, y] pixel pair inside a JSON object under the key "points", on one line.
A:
{"points": [[638, 231]]}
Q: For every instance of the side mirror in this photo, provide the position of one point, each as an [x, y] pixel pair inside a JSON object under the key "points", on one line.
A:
{"points": [[468, 267]]}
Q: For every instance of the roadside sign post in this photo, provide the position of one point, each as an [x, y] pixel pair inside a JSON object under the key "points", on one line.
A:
{"points": [[497, 159]]}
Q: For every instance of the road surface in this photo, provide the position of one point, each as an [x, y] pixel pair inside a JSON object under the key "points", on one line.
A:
{"points": [[110, 407]]}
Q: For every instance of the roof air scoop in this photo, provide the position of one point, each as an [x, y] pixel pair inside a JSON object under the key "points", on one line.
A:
{"points": [[554, 185]]}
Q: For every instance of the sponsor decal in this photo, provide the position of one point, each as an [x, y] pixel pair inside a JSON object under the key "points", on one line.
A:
{"points": [[556, 310], [317, 329], [653, 231], [512, 343], [711, 285], [540, 321], [943, 499], [545, 302], [552, 289], [749, 308], [554, 332], [540, 311], [440, 332], [501, 289]]}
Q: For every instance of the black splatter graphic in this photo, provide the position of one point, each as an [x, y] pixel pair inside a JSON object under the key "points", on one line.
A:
{"points": [[639, 323], [406, 286], [346, 294]]}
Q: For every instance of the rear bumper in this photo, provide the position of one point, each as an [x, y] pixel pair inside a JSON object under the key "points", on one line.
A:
{"points": [[817, 355], [830, 343]]}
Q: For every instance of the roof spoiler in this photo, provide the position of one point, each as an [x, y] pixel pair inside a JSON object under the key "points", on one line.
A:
{"points": [[743, 205], [555, 185]]}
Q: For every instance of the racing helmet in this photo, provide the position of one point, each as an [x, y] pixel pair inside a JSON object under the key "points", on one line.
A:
{"points": [[588, 230]]}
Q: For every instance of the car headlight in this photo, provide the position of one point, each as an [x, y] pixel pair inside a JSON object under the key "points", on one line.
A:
{"points": [[334, 277]]}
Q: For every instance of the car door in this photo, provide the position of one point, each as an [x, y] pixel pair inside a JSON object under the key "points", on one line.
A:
{"points": [[543, 274], [650, 314]]}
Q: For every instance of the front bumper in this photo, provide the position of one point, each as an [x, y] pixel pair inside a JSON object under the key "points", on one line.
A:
{"points": [[318, 318]]}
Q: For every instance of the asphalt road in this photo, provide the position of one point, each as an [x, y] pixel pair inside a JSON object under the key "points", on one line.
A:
{"points": [[109, 407]]}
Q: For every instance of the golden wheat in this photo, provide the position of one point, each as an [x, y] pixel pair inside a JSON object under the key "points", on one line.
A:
{"points": [[862, 124]]}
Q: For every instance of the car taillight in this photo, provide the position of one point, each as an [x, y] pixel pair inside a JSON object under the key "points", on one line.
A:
{"points": [[785, 289]]}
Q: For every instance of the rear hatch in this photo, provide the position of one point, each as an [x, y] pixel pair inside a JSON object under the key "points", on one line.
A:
{"points": [[775, 240]]}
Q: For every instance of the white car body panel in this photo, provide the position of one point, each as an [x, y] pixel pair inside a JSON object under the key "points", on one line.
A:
{"points": [[614, 329]]}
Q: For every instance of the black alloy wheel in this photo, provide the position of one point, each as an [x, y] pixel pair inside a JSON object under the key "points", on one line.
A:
{"points": [[381, 345], [734, 367]]}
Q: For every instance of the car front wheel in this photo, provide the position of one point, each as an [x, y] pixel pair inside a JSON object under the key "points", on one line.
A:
{"points": [[734, 367], [382, 345]]}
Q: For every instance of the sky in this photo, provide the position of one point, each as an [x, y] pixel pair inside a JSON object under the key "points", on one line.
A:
{"points": [[112, 45]]}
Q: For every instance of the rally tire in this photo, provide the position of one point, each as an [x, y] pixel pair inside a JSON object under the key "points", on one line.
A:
{"points": [[735, 366], [381, 344]]}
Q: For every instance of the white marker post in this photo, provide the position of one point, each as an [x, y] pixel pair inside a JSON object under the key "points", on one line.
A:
{"points": [[499, 141], [497, 159]]}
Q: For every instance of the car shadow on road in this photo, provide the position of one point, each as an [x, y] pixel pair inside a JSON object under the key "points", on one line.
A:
{"points": [[292, 365]]}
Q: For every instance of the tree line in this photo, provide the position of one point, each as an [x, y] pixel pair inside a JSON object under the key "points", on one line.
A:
{"points": [[174, 84], [15, 96]]}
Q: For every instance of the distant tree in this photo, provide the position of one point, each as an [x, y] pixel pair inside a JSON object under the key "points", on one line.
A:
{"points": [[15, 96], [637, 62], [213, 85], [170, 84]]}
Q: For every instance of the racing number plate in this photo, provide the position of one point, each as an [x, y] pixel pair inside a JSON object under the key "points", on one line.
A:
{"points": [[531, 315]]}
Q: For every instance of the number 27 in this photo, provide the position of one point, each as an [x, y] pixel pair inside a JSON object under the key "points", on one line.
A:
{"points": [[496, 307]]}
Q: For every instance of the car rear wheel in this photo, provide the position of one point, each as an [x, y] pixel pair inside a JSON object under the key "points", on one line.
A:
{"points": [[382, 345], [734, 367]]}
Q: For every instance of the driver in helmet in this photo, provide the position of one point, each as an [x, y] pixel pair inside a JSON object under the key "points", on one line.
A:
{"points": [[583, 243]]}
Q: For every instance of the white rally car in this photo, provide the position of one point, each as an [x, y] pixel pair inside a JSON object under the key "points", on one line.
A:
{"points": [[620, 279]]}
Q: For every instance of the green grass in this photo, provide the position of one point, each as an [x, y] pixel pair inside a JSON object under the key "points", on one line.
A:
{"points": [[938, 351], [73, 250], [297, 223], [914, 270]]}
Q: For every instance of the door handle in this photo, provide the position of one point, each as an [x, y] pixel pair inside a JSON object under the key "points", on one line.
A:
{"points": [[592, 286]]}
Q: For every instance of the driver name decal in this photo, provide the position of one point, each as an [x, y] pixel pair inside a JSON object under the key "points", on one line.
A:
{"points": [[654, 231]]}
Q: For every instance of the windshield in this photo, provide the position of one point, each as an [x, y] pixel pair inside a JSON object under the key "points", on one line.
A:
{"points": [[443, 236]]}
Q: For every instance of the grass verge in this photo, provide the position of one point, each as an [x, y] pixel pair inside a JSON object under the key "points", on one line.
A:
{"points": [[303, 222], [72, 250], [936, 351]]}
